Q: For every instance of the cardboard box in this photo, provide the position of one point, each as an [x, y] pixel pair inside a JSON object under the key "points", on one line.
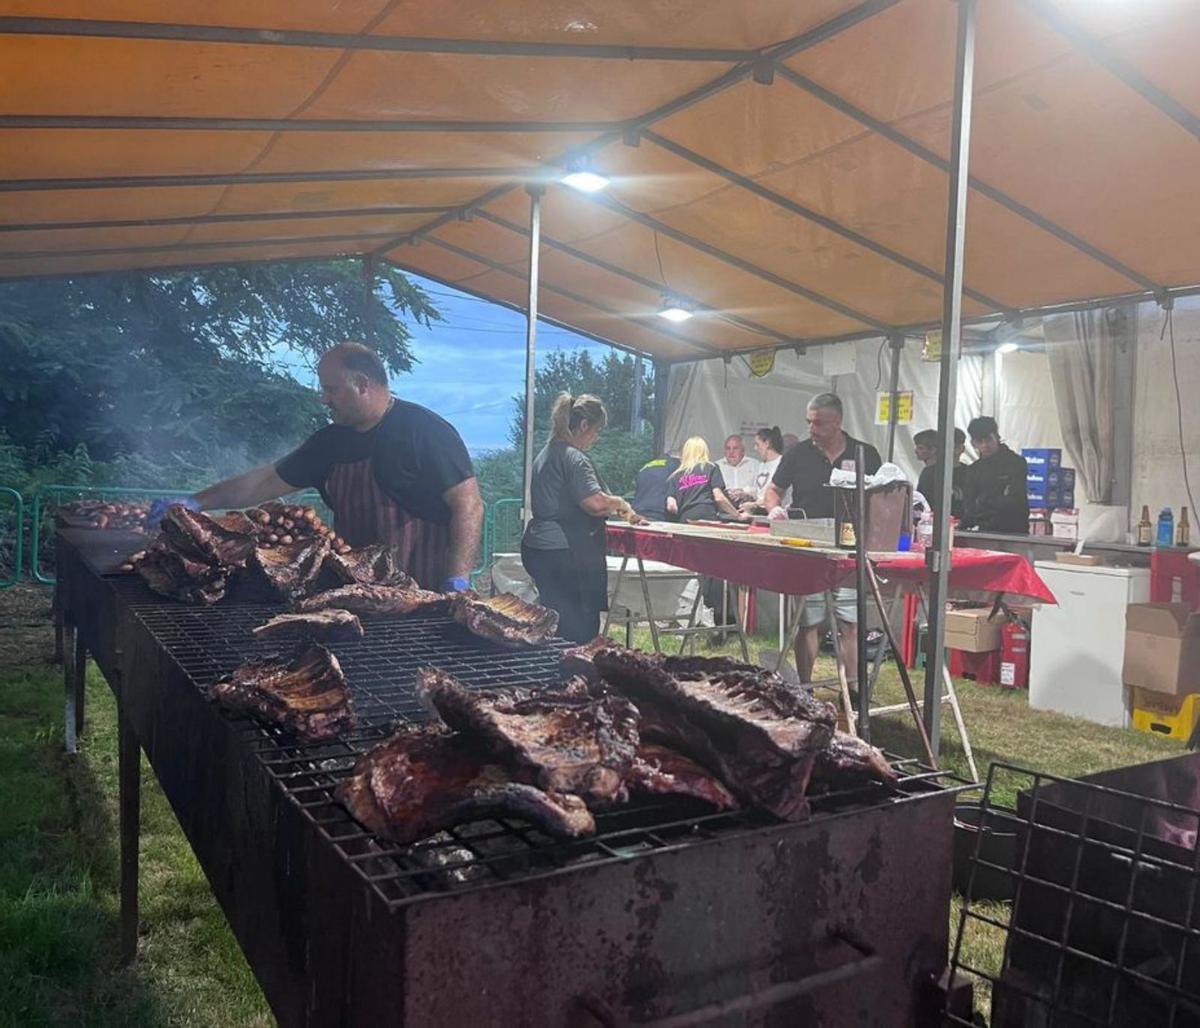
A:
{"points": [[970, 630], [1162, 648], [1042, 459], [1066, 478]]}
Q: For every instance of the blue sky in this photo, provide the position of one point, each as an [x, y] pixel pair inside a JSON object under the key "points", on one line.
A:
{"points": [[472, 363]]}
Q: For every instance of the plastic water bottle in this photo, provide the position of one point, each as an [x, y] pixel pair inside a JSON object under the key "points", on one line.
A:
{"points": [[1166, 528]]}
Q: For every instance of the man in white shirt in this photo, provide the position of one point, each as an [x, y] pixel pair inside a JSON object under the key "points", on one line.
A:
{"points": [[738, 470]]}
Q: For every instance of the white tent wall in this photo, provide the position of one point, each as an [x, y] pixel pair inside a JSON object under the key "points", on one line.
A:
{"points": [[1157, 459]]}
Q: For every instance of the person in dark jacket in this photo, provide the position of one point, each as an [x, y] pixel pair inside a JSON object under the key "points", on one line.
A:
{"points": [[994, 490], [650, 490], [927, 449], [565, 546]]}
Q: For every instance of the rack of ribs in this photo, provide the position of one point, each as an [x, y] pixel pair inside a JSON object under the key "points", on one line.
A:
{"points": [[566, 743], [373, 599], [306, 696], [327, 625], [423, 780], [369, 565], [744, 725], [505, 619], [849, 761]]}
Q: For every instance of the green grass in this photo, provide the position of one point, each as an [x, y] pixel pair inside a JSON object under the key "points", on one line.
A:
{"points": [[58, 885], [58, 859]]}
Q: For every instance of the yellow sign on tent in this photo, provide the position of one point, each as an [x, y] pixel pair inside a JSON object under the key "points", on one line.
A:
{"points": [[904, 408], [762, 363]]}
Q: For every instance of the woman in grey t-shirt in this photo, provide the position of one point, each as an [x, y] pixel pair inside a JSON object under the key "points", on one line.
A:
{"points": [[565, 547]]}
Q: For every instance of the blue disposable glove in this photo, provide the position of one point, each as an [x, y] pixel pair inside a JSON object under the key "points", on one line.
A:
{"points": [[160, 507], [456, 585]]}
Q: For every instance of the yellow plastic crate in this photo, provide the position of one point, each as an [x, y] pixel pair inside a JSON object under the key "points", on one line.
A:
{"points": [[1160, 714]]}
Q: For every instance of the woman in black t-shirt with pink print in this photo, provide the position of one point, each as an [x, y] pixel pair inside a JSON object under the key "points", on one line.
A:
{"points": [[696, 489]]}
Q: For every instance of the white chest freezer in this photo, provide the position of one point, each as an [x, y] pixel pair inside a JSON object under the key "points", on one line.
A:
{"points": [[1078, 646]]}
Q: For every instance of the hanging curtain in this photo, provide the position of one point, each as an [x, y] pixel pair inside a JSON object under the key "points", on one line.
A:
{"points": [[1081, 349]]}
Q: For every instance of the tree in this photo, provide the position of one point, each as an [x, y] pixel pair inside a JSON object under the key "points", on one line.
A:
{"points": [[186, 364], [618, 454]]}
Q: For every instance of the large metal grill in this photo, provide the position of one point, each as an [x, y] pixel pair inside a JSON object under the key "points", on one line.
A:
{"points": [[381, 671]]}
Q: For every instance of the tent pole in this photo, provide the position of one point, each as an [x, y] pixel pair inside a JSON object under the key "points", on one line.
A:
{"points": [[938, 558], [531, 313], [368, 272], [662, 379], [897, 344]]}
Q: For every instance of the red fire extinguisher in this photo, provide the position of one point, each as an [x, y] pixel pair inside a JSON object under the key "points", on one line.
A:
{"points": [[1014, 655]]}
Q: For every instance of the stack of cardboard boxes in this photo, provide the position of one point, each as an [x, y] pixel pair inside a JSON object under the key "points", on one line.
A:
{"points": [[1162, 667], [991, 650], [1050, 487]]}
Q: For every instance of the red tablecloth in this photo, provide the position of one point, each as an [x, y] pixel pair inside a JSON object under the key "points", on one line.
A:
{"points": [[798, 572]]}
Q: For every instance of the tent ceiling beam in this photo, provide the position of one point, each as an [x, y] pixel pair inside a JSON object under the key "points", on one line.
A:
{"points": [[352, 42], [736, 262], [33, 185], [596, 262], [1108, 60], [631, 128], [566, 294], [223, 219], [214, 244], [808, 214], [149, 124]]}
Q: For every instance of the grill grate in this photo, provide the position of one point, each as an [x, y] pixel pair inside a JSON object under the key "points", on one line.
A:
{"points": [[381, 669], [1104, 926]]}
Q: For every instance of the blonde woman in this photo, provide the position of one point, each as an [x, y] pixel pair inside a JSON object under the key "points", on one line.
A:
{"points": [[696, 490], [565, 545]]}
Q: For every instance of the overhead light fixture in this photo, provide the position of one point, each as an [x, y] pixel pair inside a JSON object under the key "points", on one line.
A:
{"points": [[584, 178], [673, 309], [1009, 347]]}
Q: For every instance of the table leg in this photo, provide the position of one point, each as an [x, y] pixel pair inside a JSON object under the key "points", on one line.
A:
{"points": [[691, 621], [79, 681], [649, 607], [617, 592], [951, 696], [843, 682], [130, 785], [787, 640], [70, 719]]}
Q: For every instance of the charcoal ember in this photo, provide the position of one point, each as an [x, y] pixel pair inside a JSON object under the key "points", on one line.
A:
{"points": [[505, 619], [424, 780], [660, 771], [581, 660], [325, 625], [306, 696], [566, 743], [748, 727], [849, 762], [230, 542], [369, 565], [288, 572], [170, 573], [374, 599]]}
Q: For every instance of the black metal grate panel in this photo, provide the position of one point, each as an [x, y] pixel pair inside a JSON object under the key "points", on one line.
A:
{"points": [[381, 669], [1104, 926]]}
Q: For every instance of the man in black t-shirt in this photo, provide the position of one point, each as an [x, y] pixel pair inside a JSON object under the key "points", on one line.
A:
{"points": [[806, 468], [392, 472]]}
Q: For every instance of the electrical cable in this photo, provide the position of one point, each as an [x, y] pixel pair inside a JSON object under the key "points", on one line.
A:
{"points": [[1169, 329], [879, 365], [658, 254]]}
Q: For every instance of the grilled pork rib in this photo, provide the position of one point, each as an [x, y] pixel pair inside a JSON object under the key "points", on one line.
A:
{"points": [[581, 660], [659, 770], [370, 565], [322, 624], [423, 780], [743, 724], [566, 743], [505, 619], [170, 573], [307, 696], [289, 571], [373, 599], [227, 540], [848, 762]]}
